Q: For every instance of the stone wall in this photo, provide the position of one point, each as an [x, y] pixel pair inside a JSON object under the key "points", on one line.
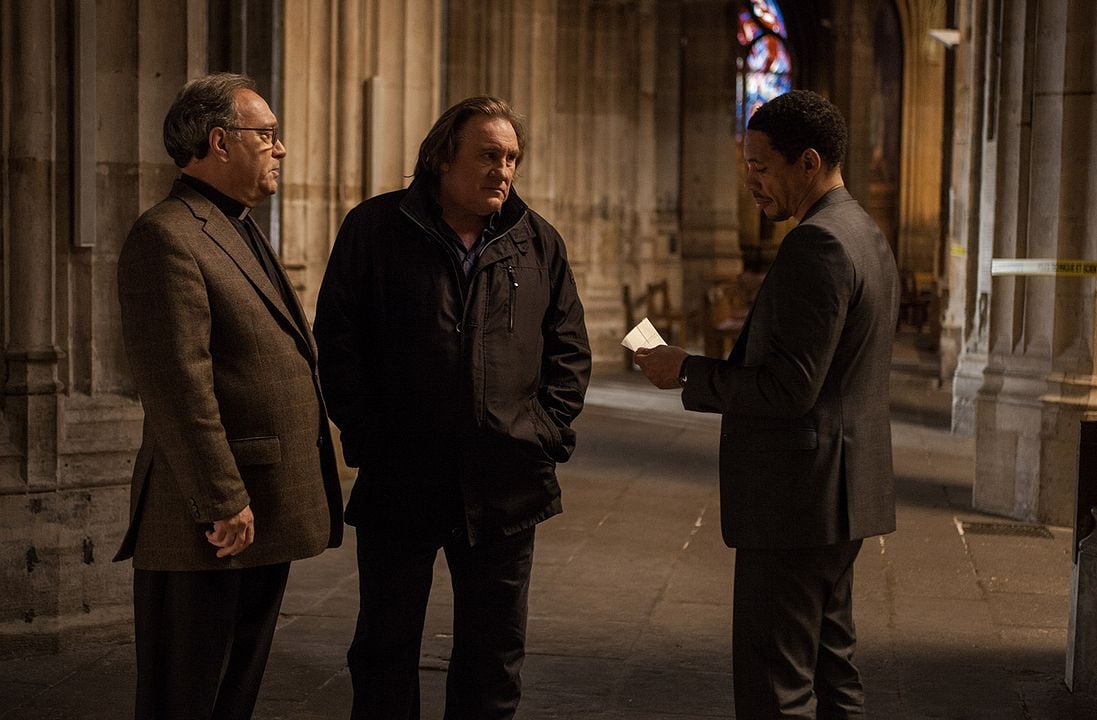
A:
{"points": [[362, 88], [1027, 370], [85, 87]]}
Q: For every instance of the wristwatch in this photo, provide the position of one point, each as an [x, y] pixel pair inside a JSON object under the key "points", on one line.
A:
{"points": [[682, 372]]}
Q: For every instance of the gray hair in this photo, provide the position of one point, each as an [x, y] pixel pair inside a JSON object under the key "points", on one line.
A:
{"points": [[440, 144], [203, 104]]}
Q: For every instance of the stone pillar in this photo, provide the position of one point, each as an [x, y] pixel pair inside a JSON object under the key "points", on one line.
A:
{"points": [[852, 87], [526, 77], [32, 353], [920, 174], [978, 239], [31, 402], [668, 131], [966, 135], [709, 187], [1038, 381], [71, 424], [324, 83], [574, 208], [655, 256], [602, 186]]}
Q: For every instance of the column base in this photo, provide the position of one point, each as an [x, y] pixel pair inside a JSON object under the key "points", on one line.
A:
{"points": [[1026, 450], [48, 636], [966, 381]]}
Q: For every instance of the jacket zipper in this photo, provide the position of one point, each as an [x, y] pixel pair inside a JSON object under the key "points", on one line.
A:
{"points": [[431, 233], [513, 297]]}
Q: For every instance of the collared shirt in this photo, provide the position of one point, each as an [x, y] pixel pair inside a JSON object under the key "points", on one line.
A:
{"points": [[240, 217]]}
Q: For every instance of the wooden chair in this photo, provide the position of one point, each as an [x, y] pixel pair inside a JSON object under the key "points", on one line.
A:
{"points": [[670, 323], [915, 297], [656, 306], [727, 304]]}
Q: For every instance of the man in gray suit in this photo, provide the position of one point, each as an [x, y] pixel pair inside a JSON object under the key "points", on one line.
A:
{"points": [[805, 443]]}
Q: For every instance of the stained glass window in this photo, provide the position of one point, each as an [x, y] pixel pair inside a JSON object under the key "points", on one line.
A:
{"points": [[765, 68]]}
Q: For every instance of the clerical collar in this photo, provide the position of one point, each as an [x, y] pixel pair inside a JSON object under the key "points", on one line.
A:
{"points": [[231, 208]]}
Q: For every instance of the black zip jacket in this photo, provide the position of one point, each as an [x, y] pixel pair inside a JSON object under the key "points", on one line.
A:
{"points": [[456, 408]]}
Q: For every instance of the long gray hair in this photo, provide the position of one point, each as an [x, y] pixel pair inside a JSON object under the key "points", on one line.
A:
{"points": [[440, 144]]}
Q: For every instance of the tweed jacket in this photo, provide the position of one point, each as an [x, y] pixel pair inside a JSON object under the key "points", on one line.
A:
{"points": [[805, 448], [227, 376]]}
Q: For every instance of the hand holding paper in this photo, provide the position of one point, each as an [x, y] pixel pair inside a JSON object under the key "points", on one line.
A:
{"points": [[659, 361], [643, 335]]}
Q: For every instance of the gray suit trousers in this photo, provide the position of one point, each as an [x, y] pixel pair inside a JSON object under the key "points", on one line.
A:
{"points": [[792, 634]]}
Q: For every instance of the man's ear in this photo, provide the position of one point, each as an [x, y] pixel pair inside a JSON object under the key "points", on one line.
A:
{"points": [[218, 145], [811, 161]]}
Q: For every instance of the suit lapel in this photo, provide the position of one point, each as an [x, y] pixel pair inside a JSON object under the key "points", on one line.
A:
{"points": [[296, 309], [218, 228]]}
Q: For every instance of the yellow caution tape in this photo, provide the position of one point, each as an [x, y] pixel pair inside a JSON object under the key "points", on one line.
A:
{"points": [[1043, 266]]}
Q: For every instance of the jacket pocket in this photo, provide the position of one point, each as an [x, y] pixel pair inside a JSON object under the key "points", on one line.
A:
{"points": [[544, 426], [257, 450]]}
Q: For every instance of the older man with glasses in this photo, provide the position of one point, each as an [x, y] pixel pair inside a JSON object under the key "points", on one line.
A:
{"points": [[236, 476]]}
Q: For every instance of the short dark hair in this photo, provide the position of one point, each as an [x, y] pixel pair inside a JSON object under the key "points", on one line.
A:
{"points": [[440, 144], [799, 120], [203, 104]]}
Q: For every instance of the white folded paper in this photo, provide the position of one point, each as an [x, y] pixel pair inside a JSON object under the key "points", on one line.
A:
{"points": [[643, 335]]}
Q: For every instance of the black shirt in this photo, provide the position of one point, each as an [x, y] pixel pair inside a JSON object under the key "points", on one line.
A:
{"points": [[467, 258], [240, 217]]}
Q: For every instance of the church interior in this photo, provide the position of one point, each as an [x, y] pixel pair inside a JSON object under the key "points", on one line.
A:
{"points": [[972, 125]]}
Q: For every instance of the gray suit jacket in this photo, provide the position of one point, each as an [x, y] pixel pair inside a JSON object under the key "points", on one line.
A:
{"points": [[226, 371], [805, 448]]}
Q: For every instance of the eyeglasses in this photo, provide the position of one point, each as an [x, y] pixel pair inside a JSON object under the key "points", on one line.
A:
{"points": [[270, 134]]}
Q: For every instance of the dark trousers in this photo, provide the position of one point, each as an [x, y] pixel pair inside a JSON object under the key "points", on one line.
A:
{"points": [[490, 594], [202, 640], [793, 636]]}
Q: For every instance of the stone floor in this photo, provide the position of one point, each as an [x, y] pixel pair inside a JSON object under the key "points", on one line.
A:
{"points": [[631, 600]]}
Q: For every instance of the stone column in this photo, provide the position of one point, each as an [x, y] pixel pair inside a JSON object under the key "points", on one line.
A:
{"points": [[73, 425], [1038, 380], [32, 352], [576, 127], [1068, 303], [655, 255], [978, 230], [851, 85], [709, 156], [966, 135], [668, 130], [920, 174], [601, 161], [324, 83], [31, 402], [527, 79]]}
